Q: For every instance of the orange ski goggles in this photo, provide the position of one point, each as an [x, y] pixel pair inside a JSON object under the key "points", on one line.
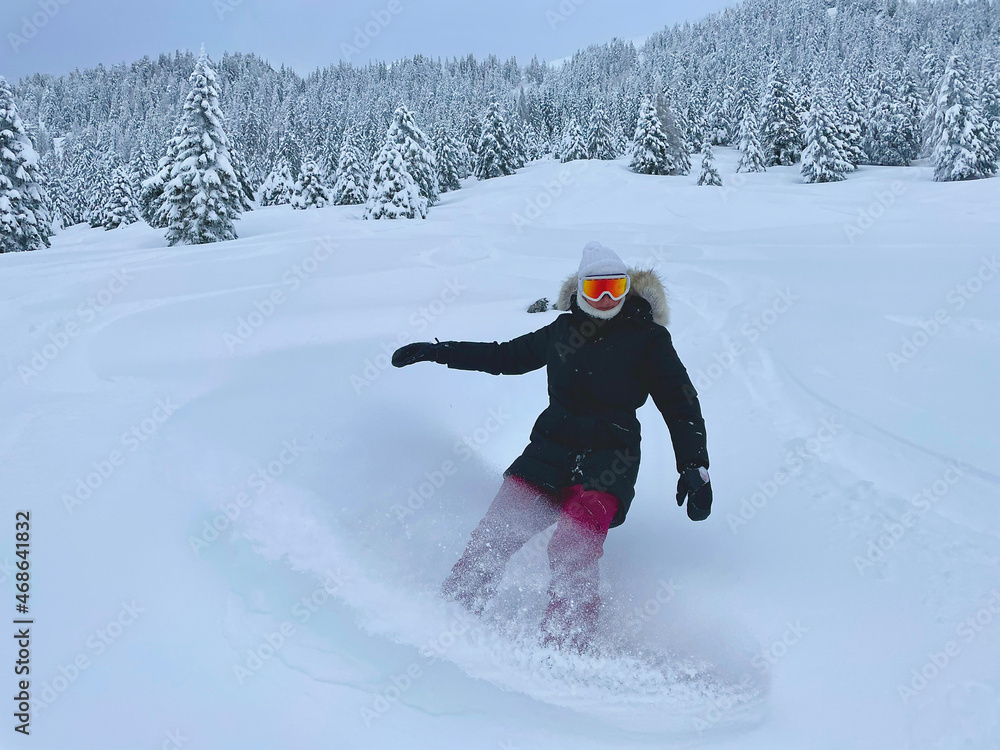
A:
{"points": [[595, 287]]}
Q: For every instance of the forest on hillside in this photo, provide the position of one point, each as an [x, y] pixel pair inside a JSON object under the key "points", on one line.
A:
{"points": [[885, 73]]}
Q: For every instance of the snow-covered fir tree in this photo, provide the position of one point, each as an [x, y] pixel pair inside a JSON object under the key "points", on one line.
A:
{"points": [[751, 156], [781, 129], [673, 132], [989, 108], [50, 177], [448, 152], [465, 160], [823, 158], [100, 189], [140, 167], [247, 189], [912, 106], [600, 138], [278, 186], [121, 208], [709, 174], [24, 224], [850, 122], [650, 150], [202, 195], [58, 188], [290, 139], [963, 147], [151, 189], [697, 126], [717, 124], [493, 157], [470, 133], [417, 151], [78, 167], [747, 93], [574, 146], [392, 191], [518, 142], [890, 139], [351, 182], [309, 191]]}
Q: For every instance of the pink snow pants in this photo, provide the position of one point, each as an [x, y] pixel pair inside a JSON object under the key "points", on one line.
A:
{"points": [[519, 511]]}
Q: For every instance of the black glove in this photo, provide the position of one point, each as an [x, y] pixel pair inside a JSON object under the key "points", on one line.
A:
{"points": [[695, 485], [421, 351]]}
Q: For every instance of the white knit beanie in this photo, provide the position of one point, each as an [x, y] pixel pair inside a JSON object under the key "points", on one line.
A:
{"points": [[598, 261]]}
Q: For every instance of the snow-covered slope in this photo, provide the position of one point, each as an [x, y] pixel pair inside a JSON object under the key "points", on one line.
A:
{"points": [[845, 340]]}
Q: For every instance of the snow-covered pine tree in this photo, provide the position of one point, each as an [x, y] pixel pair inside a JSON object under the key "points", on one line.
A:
{"points": [[417, 151], [471, 132], [351, 186], [121, 208], [290, 139], [823, 158], [290, 152], [532, 148], [518, 147], [989, 108], [781, 130], [680, 121], [650, 150], [60, 190], [673, 132], [709, 174], [330, 155], [78, 173], [465, 160], [930, 69], [448, 152], [752, 158], [140, 166], [309, 191], [717, 123], [574, 146], [24, 224], [963, 149], [50, 178], [247, 188], [696, 125], [151, 189], [493, 157], [747, 94], [202, 196], [851, 124], [803, 89], [619, 142], [600, 139], [100, 189], [392, 192], [278, 186], [912, 106], [889, 139]]}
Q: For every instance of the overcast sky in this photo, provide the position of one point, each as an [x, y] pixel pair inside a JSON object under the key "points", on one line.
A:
{"points": [[56, 36]]}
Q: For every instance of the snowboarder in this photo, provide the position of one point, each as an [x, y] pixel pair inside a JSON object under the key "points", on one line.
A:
{"points": [[605, 356]]}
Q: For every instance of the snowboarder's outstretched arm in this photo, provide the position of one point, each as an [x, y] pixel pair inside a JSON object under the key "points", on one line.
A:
{"points": [[523, 354]]}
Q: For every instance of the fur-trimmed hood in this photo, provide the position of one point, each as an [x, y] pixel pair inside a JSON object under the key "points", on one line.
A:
{"points": [[645, 284]]}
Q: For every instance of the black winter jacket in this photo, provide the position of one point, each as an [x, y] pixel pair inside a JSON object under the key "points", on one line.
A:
{"points": [[599, 373]]}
